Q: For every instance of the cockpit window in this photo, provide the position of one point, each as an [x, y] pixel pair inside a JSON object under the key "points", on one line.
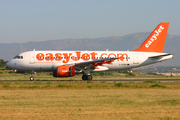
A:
{"points": [[18, 57], [15, 57]]}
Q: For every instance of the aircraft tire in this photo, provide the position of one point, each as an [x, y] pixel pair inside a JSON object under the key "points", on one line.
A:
{"points": [[31, 78], [84, 77], [89, 77]]}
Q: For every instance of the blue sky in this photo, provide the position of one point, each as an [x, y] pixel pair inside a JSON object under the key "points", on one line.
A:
{"points": [[39, 20]]}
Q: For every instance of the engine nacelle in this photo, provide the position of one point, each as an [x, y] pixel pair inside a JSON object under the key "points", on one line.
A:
{"points": [[64, 71]]}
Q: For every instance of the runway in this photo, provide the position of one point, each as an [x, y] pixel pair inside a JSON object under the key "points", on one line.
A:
{"points": [[96, 80]]}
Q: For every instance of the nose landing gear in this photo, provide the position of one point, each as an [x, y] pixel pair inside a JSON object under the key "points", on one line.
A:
{"points": [[32, 76]]}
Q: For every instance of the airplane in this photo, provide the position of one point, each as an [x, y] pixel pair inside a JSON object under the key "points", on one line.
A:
{"points": [[70, 63]]}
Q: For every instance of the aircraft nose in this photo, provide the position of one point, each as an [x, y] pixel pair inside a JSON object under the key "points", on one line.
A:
{"points": [[9, 63]]}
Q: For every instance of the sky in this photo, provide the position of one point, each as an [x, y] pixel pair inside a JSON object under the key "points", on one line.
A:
{"points": [[40, 20]]}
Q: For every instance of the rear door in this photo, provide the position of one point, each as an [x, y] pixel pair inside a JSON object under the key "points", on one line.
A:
{"points": [[135, 58]]}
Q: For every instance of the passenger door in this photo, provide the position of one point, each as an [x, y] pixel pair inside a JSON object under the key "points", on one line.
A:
{"points": [[135, 58]]}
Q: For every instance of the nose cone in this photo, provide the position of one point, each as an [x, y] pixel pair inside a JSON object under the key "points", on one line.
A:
{"points": [[9, 64]]}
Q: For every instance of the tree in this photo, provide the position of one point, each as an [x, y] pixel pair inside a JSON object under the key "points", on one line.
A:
{"points": [[2, 62]]}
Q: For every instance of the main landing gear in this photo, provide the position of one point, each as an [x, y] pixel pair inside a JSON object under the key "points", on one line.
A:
{"points": [[87, 77], [32, 76]]}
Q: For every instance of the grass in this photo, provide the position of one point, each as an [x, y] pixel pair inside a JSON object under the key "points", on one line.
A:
{"points": [[158, 85], [88, 99], [119, 84], [91, 84], [11, 75], [63, 85], [7, 85], [69, 103], [150, 81]]}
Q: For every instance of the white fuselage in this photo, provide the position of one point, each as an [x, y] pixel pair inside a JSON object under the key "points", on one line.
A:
{"points": [[49, 60]]}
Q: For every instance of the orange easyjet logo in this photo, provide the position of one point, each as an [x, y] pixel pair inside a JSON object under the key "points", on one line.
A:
{"points": [[65, 57], [154, 37]]}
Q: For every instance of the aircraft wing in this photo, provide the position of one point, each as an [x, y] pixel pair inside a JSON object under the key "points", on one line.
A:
{"points": [[93, 64]]}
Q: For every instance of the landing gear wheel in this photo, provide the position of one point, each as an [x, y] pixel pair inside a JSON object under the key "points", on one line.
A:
{"points": [[87, 77], [31, 78], [84, 77]]}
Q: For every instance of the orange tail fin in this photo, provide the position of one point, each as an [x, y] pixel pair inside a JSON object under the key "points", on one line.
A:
{"points": [[156, 40]]}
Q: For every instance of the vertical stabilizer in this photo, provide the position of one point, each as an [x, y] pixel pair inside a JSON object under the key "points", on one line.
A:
{"points": [[156, 40]]}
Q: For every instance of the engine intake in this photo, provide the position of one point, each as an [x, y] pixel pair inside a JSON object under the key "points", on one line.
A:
{"points": [[64, 71]]}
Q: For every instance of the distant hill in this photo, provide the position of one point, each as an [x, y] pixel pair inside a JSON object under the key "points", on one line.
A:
{"points": [[119, 43]]}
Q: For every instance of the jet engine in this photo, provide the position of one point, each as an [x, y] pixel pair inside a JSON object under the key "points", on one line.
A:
{"points": [[64, 71]]}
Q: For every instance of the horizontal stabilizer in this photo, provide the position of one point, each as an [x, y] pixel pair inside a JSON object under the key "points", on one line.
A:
{"points": [[159, 56]]}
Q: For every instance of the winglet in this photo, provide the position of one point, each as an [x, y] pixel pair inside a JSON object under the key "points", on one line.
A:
{"points": [[156, 40]]}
